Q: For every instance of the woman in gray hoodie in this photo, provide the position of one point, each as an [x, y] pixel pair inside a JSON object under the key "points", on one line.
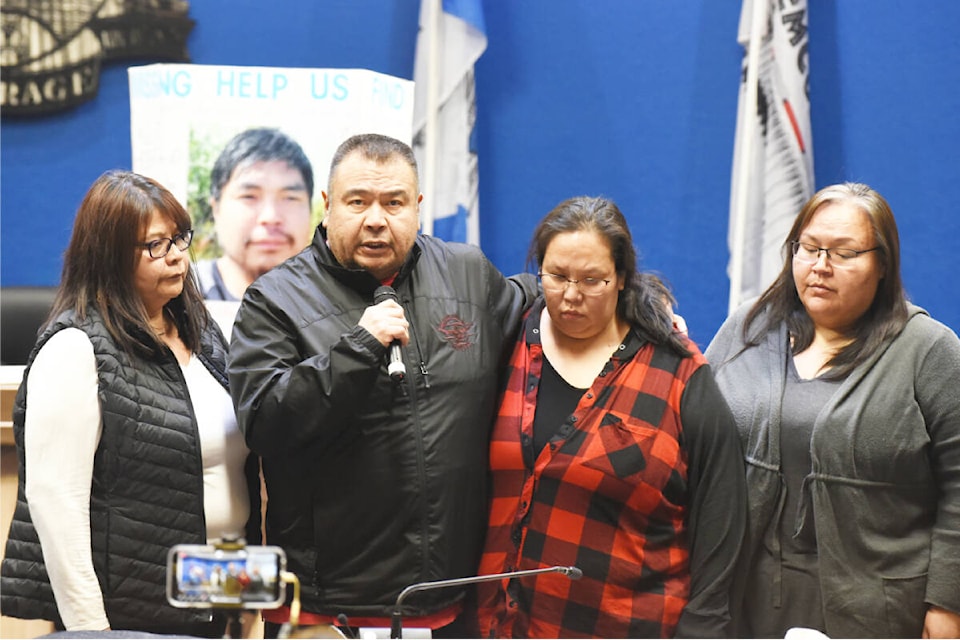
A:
{"points": [[847, 400]]}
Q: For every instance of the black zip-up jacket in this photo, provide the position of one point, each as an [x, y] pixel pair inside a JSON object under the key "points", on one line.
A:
{"points": [[373, 486], [146, 491]]}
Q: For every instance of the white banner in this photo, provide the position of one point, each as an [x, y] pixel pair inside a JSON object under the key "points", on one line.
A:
{"points": [[773, 153], [182, 115]]}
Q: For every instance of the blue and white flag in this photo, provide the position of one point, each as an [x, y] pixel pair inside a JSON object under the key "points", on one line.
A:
{"points": [[450, 41], [773, 154]]}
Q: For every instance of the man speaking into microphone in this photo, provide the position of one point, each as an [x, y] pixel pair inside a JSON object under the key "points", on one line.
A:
{"points": [[375, 482]]}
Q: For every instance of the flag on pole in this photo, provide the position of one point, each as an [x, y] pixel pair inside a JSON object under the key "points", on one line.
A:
{"points": [[452, 37], [772, 173]]}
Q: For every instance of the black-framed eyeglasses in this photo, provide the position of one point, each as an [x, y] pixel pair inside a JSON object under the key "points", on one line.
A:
{"points": [[810, 253], [555, 283], [161, 246]]}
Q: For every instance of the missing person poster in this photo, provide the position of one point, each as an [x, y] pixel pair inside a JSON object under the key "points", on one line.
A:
{"points": [[182, 116]]}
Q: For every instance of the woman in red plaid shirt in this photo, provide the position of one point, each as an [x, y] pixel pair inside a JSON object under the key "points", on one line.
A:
{"points": [[613, 452]]}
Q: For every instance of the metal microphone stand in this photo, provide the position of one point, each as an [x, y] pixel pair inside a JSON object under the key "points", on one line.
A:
{"points": [[396, 622]]}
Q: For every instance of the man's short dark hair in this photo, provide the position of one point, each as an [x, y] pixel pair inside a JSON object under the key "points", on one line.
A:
{"points": [[374, 146], [260, 144]]}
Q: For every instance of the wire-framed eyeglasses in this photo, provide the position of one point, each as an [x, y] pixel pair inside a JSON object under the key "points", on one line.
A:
{"points": [[161, 246], [810, 253], [555, 283]]}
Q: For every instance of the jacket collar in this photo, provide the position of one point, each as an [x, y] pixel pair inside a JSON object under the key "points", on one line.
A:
{"points": [[360, 279]]}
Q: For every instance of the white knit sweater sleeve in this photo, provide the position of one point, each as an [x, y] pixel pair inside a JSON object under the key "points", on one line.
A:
{"points": [[61, 435]]}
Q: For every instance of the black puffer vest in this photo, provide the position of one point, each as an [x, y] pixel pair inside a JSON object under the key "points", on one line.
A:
{"points": [[146, 492]]}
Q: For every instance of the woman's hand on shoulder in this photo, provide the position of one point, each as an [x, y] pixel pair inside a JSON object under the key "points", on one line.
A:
{"points": [[941, 623], [679, 323]]}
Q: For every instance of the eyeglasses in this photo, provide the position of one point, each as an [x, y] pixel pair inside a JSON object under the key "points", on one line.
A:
{"points": [[555, 283], [809, 254], [161, 247]]}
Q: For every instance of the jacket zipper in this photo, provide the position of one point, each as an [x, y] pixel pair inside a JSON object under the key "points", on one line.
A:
{"points": [[421, 465]]}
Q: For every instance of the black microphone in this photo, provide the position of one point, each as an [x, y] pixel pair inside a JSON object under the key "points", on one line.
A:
{"points": [[344, 624], [396, 622], [395, 366]]}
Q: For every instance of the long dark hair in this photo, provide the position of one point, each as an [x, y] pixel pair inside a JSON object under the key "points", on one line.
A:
{"points": [[887, 314], [100, 261], [645, 300]]}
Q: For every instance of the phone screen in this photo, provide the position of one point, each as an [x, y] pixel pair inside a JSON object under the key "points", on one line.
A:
{"points": [[206, 576]]}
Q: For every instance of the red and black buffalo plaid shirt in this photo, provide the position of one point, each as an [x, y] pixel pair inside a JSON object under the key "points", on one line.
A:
{"points": [[614, 493]]}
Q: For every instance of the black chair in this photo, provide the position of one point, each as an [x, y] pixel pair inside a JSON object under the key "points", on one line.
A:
{"points": [[22, 312]]}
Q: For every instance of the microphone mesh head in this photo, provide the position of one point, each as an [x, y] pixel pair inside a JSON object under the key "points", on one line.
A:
{"points": [[384, 293]]}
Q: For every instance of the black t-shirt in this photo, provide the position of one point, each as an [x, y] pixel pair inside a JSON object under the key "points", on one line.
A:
{"points": [[549, 416]]}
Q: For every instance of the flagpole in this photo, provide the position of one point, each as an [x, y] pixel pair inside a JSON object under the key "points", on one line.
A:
{"points": [[749, 113], [429, 170]]}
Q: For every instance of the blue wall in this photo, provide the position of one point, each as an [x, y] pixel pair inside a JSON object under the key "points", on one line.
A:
{"points": [[632, 99]]}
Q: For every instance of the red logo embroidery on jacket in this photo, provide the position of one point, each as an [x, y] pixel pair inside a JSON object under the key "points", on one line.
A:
{"points": [[457, 332]]}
